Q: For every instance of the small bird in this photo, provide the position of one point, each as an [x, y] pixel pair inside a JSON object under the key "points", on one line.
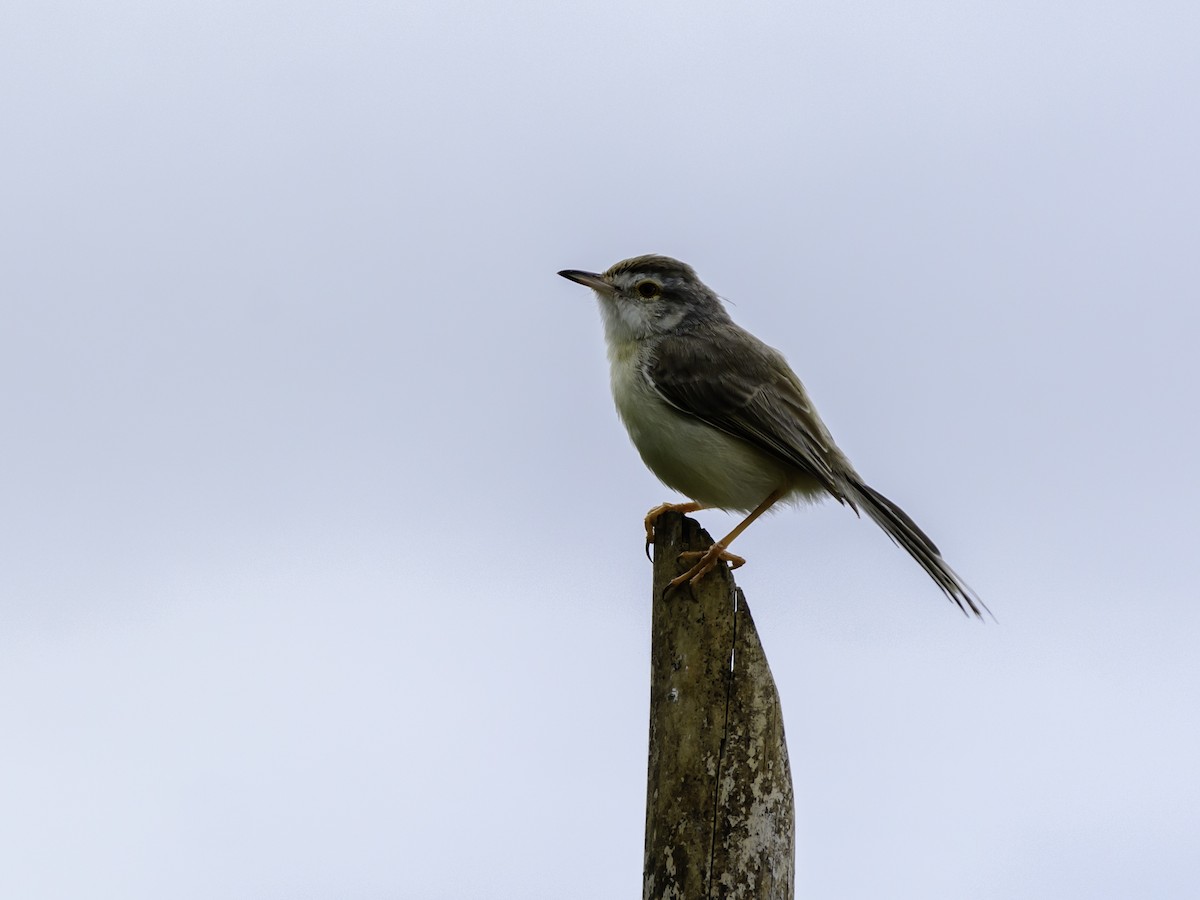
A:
{"points": [[721, 418]]}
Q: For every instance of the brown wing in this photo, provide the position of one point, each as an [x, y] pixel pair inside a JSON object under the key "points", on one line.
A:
{"points": [[747, 391]]}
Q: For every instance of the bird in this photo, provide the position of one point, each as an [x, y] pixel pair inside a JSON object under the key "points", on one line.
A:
{"points": [[720, 417]]}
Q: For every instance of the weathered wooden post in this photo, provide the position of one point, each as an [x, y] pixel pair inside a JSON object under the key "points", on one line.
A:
{"points": [[720, 818]]}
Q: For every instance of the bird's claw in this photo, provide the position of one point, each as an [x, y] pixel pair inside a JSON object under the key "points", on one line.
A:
{"points": [[706, 561], [652, 517]]}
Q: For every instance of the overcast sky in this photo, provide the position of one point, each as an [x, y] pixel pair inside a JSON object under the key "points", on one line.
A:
{"points": [[321, 566]]}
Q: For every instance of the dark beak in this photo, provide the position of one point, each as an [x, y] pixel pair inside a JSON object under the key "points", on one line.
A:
{"points": [[587, 279]]}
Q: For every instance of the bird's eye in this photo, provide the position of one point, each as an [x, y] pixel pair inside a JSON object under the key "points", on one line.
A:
{"points": [[648, 290]]}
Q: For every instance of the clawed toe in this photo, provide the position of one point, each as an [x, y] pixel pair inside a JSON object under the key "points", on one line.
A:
{"points": [[706, 561], [652, 517]]}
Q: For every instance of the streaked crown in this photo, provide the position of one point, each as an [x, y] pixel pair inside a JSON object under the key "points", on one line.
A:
{"points": [[664, 268]]}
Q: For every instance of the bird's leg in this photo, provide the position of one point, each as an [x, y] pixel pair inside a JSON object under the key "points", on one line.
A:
{"points": [[706, 560], [652, 517]]}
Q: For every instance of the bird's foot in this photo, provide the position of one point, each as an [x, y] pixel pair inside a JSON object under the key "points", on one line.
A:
{"points": [[706, 561], [652, 517]]}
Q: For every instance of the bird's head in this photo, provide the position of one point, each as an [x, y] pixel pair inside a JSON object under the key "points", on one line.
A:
{"points": [[649, 296]]}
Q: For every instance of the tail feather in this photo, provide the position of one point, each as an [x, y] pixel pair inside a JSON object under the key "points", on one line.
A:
{"points": [[904, 532]]}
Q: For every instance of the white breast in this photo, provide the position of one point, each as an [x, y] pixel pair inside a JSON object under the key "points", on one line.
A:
{"points": [[687, 455]]}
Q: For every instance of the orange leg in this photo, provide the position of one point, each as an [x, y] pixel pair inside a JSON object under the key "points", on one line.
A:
{"points": [[652, 517], [706, 560]]}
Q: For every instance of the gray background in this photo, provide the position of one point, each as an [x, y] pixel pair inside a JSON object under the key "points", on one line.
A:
{"points": [[321, 554]]}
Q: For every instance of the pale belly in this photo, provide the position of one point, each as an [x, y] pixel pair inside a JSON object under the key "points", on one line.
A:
{"points": [[700, 462]]}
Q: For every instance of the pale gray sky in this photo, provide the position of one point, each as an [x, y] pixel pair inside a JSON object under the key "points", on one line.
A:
{"points": [[320, 565]]}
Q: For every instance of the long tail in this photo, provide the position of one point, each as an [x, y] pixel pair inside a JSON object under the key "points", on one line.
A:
{"points": [[904, 531]]}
